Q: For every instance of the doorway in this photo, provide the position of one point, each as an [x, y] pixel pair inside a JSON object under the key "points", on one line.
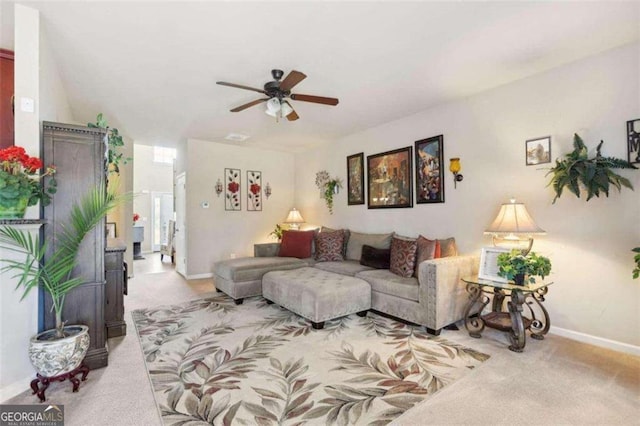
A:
{"points": [[161, 214]]}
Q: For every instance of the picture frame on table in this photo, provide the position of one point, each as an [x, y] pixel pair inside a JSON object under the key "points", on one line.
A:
{"points": [[633, 141], [355, 179], [489, 264], [389, 179], [429, 170], [538, 151]]}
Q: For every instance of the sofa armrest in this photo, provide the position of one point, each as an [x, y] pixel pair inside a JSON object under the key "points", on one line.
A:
{"points": [[442, 289], [266, 250]]}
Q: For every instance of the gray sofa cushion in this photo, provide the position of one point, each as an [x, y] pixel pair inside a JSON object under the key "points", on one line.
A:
{"points": [[385, 281], [253, 268], [357, 240], [345, 267]]}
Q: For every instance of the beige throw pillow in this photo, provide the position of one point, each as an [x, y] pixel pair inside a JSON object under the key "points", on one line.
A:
{"points": [[357, 240]]}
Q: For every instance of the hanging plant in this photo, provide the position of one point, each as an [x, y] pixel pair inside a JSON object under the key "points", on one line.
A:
{"points": [[576, 169], [328, 186], [636, 258], [114, 156]]}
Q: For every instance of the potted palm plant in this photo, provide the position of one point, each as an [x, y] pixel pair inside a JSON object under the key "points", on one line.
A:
{"points": [[61, 350], [518, 267]]}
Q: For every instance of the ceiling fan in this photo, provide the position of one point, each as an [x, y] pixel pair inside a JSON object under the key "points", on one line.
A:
{"points": [[277, 92]]}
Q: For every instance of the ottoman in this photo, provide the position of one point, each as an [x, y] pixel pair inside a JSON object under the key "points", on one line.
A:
{"points": [[242, 277], [317, 295]]}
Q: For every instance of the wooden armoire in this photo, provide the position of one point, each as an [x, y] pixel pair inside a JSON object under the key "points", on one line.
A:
{"points": [[78, 153]]}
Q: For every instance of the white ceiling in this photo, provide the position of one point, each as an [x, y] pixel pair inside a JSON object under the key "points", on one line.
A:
{"points": [[151, 67]]}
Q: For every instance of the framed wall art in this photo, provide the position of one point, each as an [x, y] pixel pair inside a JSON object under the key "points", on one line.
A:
{"points": [[633, 141], [232, 189], [355, 179], [389, 179], [538, 151], [489, 264], [254, 191], [429, 171]]}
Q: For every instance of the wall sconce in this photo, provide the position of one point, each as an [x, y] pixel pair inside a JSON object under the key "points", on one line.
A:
{"points": [[219, 188], [455, 167], [267, 191]]}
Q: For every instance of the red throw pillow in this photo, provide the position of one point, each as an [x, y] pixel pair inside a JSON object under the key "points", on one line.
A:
{"points": [[296, 244]]}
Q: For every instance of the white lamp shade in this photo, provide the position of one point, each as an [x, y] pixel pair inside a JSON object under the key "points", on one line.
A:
{"points": [[294, 217], [271, 113], [273, 105], [286, 109], [513, 218]]}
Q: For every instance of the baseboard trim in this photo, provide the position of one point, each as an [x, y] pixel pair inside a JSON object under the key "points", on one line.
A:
{"points": [[596, 341], [16, 388], [199, 276]]}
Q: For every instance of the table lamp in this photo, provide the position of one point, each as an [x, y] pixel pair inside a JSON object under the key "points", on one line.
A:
{"points": [[294, 219], [512, 223]]}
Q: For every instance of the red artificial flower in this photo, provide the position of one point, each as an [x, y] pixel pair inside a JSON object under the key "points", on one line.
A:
{"points": [[136, 217], [254, 188], [32, 164], [233, 187]]}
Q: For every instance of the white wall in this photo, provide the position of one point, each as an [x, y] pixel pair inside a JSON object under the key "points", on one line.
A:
{"points": [[54, 104], [589, 243], [213, 233], [19, 319], [149, 177]]}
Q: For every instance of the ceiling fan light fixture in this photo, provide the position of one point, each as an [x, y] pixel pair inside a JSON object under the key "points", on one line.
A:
{"points": [[286, 109], [273, 105]]}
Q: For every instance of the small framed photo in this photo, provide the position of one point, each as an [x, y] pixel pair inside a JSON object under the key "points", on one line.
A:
{"points": [[355, 179], [489, 264], [389, 179], [111, 230], [538, 151], [633, 141]]}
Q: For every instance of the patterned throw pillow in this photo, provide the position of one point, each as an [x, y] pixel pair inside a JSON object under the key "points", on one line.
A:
{"points": [[403, 256], [329, 246], [346, 238]]}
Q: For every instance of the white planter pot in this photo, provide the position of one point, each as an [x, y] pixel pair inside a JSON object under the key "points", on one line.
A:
{"points": [[52, 357]]}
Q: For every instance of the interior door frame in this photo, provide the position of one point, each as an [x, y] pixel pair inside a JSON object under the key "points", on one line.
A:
{"points": [[181, 221], [155, 245]]}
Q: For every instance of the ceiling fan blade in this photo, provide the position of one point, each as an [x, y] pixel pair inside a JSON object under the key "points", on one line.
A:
{"points": [[249, 105], [291, 80], [314, 99], [240, 86], [293, 116]]}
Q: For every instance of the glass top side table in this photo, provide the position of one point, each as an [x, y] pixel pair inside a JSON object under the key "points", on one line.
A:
{"points": [[519, 298]]}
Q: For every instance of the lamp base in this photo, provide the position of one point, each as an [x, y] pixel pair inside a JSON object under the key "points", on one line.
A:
{"points": [[294, 227], [523, 245]]}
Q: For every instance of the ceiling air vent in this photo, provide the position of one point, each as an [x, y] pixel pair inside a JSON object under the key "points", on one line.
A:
{"points": [[236, 137]]}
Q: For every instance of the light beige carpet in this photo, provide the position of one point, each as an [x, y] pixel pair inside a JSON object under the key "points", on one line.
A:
{"points": [[212, 361]]}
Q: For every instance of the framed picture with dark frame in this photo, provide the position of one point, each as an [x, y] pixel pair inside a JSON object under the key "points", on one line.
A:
{"points": [[429, 170], [389, 179], [232, 189], [355, 179], [538, 151], [633, 141]]}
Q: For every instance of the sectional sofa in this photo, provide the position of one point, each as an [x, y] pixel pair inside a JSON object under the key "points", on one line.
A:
{"points": [[434, 296]]}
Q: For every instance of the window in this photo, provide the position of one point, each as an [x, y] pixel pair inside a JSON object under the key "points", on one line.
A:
{"points": [[164, 155]]}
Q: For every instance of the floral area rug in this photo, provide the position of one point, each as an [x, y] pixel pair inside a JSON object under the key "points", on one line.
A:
{"points": [[213, 362]]}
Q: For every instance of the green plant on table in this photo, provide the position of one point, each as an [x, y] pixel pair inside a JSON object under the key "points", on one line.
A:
{"points": [[636, 258], [55, 275], [594, 174], [277, 232], [531, 265]]}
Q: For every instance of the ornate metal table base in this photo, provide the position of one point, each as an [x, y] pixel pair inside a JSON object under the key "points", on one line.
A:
{"points": [[61, 378], [512, 321]]}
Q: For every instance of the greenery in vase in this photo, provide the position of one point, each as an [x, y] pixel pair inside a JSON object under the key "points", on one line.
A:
{"points": [[531, 265], [55, 275], [19, 178], [277, 232], [594, 174], [636, 258], [115, 142]]}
